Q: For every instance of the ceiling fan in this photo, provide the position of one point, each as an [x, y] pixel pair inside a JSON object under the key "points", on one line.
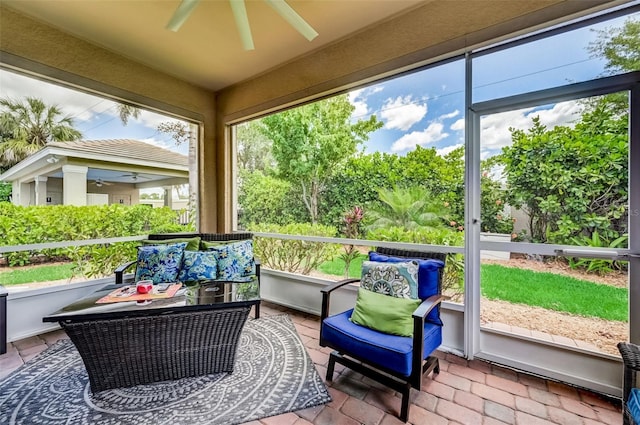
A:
{"points": [[239, 10], [135, 176], [100, 183]]}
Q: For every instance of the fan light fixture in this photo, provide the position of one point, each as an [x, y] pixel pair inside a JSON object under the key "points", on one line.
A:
{"points": [[239, 9]]}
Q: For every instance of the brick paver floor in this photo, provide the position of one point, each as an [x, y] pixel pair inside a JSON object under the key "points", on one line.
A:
{"points": [[464, 393]]}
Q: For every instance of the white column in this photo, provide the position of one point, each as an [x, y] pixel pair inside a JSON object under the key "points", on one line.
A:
{"points": [[21, 193], [74, 185], [41, 190], [168, 196]]}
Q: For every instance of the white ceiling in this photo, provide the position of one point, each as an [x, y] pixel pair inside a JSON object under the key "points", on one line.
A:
{"points": [[207, 50]]}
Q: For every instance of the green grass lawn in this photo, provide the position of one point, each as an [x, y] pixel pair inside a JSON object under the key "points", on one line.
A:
{"points": [[44, 273], [336, 267], [554, 292], [536, 289]]}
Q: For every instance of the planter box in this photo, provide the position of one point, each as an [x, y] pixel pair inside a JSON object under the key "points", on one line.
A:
{"points": [[26, 308]]}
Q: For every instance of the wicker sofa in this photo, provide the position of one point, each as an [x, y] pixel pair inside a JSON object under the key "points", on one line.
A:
{"points": [[125, 272]]}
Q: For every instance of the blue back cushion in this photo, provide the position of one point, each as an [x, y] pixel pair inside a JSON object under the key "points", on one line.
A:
{"points": [[428, 278]]}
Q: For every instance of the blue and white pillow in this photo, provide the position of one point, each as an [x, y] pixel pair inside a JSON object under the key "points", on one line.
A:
{"points": [[198, 265], [396, 279], [235, 260], [159, 263]]}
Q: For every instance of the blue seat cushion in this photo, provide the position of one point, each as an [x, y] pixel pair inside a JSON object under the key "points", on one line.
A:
{"points": [[384, 350], [633, 404]]}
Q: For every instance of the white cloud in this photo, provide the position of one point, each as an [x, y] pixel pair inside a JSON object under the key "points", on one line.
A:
{"points": [[80, 106], [402, 113], [449, 115], [431, 134], [458, 125], [362, 109], [495, 128], [152, 119], [358, 99], [448, 149]]}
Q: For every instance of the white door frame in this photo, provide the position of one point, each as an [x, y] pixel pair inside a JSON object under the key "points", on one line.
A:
{"points": [[599, 372]]}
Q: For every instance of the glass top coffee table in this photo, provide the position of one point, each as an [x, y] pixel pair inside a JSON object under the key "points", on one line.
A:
{"points": [[195, 332]]}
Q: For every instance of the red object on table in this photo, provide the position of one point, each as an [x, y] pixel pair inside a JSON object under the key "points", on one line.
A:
{"points": [[144, 286]]}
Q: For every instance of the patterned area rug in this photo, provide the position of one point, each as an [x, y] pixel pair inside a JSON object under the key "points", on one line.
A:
{"points": [[273, 375]]}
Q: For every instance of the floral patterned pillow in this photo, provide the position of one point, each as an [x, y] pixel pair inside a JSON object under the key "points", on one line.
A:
{"points": [[198, 265], [396, 279], [235, 260], [159, 263]]}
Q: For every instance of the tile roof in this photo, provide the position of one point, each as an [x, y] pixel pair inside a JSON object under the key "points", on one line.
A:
{"points": [[129, 148]]}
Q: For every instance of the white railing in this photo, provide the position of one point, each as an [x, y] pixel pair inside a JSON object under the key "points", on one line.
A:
{"points": [[64, 244]]}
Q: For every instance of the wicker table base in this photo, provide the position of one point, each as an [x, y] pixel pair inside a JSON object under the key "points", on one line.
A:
{"points": [[123, 352]]}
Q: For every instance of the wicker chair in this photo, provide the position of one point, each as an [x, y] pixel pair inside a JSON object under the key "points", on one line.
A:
{"points": [[631, 358]]}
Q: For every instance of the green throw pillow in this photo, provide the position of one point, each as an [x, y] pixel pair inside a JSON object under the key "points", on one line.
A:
{"points": [[206, 245], [193, 244], [384, 313]]}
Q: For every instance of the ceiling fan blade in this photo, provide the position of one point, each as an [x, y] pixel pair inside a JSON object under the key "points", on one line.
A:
{"points": [[181, 14], [239, 9], [295, 20]]}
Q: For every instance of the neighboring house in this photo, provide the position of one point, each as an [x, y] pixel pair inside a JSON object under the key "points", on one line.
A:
{"points": [[96, 172]]}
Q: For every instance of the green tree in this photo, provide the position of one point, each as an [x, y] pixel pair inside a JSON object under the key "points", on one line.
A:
{"points": [[5, 191], [254, 149], [356, 183], [27, 126], [571, 182], [493, 195], [620, 46], [407, 208], [125, 112], [264, 199], [310, 142]]}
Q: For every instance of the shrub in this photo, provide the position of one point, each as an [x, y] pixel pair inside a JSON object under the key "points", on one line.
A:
{"points": [[453, 278], [290, 255], [54, 223]]}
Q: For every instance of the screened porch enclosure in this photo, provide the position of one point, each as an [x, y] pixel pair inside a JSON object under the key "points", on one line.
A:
{"points": [[351, 63]]}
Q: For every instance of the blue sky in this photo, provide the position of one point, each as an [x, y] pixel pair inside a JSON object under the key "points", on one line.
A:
{"points": [[424, 108], [427, 108], [96, 117]]}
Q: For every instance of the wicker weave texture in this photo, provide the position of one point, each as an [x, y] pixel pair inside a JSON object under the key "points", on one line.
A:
{"points": [[631, 359], [208, 237], [139, 350]]}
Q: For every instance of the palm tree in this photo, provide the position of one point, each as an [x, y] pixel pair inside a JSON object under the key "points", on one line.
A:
{"points": [[27, 126], [127, 111], [408, 208]]}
